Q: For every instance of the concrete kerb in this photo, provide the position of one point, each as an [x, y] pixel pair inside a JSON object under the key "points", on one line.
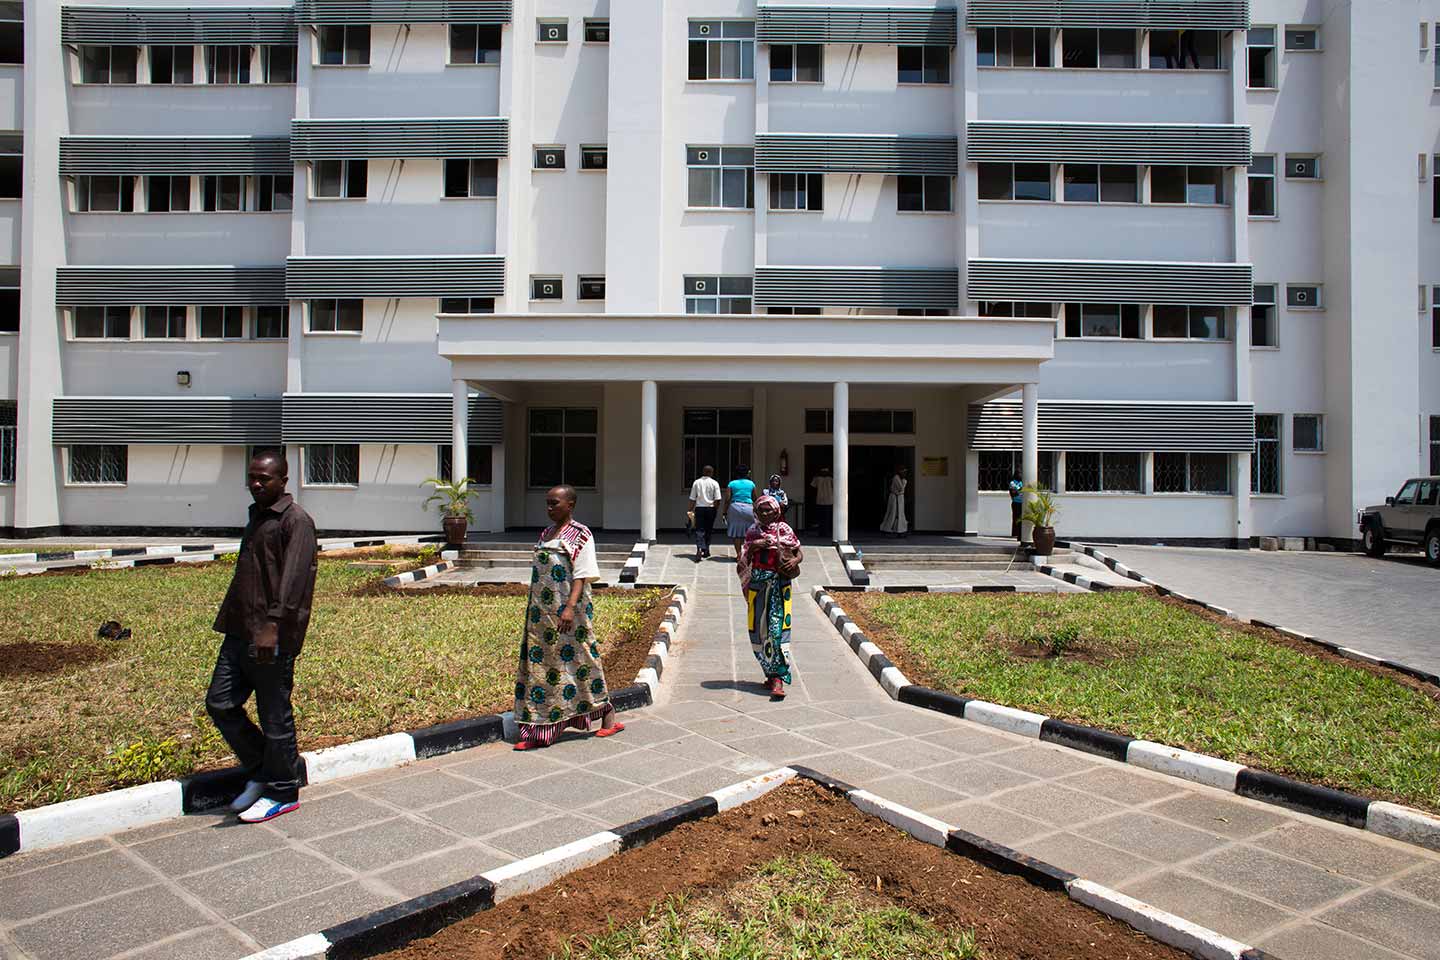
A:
{"points": [[631, 571], [1386, 819], [854, 564], [105, 813], [395, 926], [425, 573]]}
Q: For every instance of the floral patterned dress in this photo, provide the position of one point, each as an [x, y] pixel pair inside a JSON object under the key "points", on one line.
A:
{"points": [[559, 681]]}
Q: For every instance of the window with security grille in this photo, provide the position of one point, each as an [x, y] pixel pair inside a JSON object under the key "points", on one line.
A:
{"points": [[998, 466], [107, 323], [472, 43], [718, 438], [564, 447], [228, 63], [334, 464], [109, 64], [721, 177], [1265, 462], [1013, 47], [7, 451], [99, 463], [797, 191], [471, 178], [344, 45], [1192, 473], [1174, 322], [718, 294], [164, 323], [722, 50], [1435, 446], [928, 64], [477, 462], [172, 64], [1091, 472], [167, 194], [796, 62]]}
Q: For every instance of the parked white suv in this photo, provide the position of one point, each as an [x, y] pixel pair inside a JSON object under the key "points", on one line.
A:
{"points": [[1411, 517]]}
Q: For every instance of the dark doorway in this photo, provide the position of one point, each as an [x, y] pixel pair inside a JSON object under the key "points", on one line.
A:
{"points": [[870, 470]]}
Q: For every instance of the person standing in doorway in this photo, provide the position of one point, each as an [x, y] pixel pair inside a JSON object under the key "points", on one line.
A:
{"points": [[704, 498], [895, 522], [775, 488], [824, 486], [1017, 503], [739, 510], [264, 617]]}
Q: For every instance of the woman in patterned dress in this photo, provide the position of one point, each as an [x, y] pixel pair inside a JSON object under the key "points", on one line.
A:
{"points": [[559, 682], [767, 593]]}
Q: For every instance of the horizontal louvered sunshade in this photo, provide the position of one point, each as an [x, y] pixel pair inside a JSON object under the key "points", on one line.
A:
{"points": [[403, 11], [1155, 14], [174, 155], [177, 25], [777, 23], [222, 420], [438, 137], [841, 153], [1111, 281], [1215, 144], [855, 287], [440, 276], [1081, 425], [185, 285], [386, 418]]}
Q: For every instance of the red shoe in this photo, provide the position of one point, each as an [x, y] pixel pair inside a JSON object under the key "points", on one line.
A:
{"points": [[777, 688]]}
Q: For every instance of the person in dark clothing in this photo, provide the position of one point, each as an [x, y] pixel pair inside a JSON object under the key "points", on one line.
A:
{"points": [[1017, 503], [264, 617]]}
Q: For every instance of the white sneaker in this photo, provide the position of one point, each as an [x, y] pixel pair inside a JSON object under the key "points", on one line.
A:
{"points": [[267, 809], [248, 796]]}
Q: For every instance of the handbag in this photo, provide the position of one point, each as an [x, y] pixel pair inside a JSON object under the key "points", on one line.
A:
{"points": [[788, 563]]}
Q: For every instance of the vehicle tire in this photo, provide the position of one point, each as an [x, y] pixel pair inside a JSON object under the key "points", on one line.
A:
{"points": [[1374, 539], [1432, 546]]}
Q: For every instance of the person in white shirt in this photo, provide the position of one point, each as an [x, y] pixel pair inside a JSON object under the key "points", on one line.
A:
{"points": [[704, 495], [824, 486]]}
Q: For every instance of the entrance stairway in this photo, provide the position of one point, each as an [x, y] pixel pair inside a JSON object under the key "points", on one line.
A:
{"points": [[899, 555], [488, 556]]}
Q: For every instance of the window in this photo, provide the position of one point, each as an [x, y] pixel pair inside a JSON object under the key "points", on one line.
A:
{"points": [[1013, 47], [927, 194], [474, 43], [1193, 323], [1096, 183], [1264, 331], [722, 50], [1307, 433], [478, 462], [222, 193], [1435, 446], [1186, 49], [550, 158], [597, 31], [1015, 181], [12, 50], [222, 323], [1302, 39], [1004, 308], [590, 287], [9, 310], [167, 194], [718, 294], [1265, 463], [102, 323], [109, 64], [333, 464], [1091, 472], [337, 316], [1262, 186], [594, 156], [918, 311], [796, 63], [105, 194], [344, 45], [1435, 175], [547, 288], [1102, 320], [1260, 58], [7, 449], [272, 322], [341, 178], [552, 31], [227, 64], [471, 178], [721, 177], [563, 446], [277, 63], [929, 64], [1192, 473], [1194, 185], [99, 463], [274, 192], [715, 437], [822, 420], [794, 311], [1302, 166], [12, 163], [797, 191], [1304, 296], [172, 64], [1437, 60], [467, 304], [1435, 318], [164, 323], [998, 466]]}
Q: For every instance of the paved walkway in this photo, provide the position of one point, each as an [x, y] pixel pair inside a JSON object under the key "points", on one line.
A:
{"points": [[1386, 607], [203, 889]]}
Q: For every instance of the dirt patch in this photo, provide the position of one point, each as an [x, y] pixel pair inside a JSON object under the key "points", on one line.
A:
{"points": [[1012, 920], [858, 606], [29, 658], [1035, 651]]}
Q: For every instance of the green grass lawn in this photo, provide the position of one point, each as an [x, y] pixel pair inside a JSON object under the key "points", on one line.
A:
{"points": [[132, 712], [1154, 670]]}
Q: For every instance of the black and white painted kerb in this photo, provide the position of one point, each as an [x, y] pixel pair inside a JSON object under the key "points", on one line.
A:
{"points": [[424, 573], [1084, 583], [117, 810], [630, 573], [1377, 816], [395, 926], [854, 564]]}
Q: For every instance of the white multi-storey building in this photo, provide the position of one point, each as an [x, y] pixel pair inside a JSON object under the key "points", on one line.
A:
{"points": [[1156, 253]]}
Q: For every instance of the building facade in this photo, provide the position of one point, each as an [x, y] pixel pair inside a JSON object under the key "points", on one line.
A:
{"points": [[1155, 255]]}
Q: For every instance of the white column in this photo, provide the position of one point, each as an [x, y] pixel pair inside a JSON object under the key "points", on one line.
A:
{"points": [[459, 430], [1241, 485], [841, 454], [649, 414], [1030, 440], [497, 487]]}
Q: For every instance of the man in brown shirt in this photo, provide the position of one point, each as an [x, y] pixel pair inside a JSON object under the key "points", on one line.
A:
{"points": [[264, 617]]}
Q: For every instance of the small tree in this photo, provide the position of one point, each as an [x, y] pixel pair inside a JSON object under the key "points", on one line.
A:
{"points": [[454, 498], [1041, 507]]}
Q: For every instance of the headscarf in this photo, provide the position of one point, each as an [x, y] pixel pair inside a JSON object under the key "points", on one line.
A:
{"points": [[774, 481], [763, 536]]}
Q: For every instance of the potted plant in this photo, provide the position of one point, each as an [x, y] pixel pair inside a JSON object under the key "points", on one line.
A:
{"points": [[454, 501], [1040, 511]]}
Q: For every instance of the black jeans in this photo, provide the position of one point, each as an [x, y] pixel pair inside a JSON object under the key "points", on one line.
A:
{"points": [[704, 525], [824, 515], [1015, 519], [267, 752]]}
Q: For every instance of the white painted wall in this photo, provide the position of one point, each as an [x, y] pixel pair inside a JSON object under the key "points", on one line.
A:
{"points": [[395, 353], [407, 76], [390, 495], [861, 226], [259, 239], [1104, 231], [231, 368], [861, 94], [1139, 370], [169, 486], [405, 209], [133, 110], [1108, 96], [1097, 515]]}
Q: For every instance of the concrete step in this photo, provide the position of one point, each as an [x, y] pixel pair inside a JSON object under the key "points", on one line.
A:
{"points": [[975, 565]]}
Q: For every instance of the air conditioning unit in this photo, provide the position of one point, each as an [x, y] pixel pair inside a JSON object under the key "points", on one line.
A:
{"points": [[1302, 297], [702, 155], [1302, 167]]}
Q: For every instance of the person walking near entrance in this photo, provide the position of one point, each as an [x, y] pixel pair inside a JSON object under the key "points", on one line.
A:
{"points": [[895, 522], [769, 560], [824, 486], [264, 617], [704, 496], [1017, 503], [775, 488], [739, 511]]}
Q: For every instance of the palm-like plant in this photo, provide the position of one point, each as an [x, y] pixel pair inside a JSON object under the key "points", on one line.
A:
{"points": [[454, 498], [1041, 507]]}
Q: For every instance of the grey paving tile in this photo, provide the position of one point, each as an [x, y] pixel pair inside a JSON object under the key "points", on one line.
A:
{"points": [[1044, 762], [702, 781], [917, 794], [909, 755], [848, 767], [428, 789], [687, 710], [915, 722], [696, 747], [302, 915], [631, 806], [1087, 858], [645, 766], [977, 777], [1123, 786], [779, 747], [1317, 941], [860, 709], [1224, 911], [496, 766], [1155, 838], [972, 739], [68, 883], [646, 733], [797, 717], [488, 813], [343, 811], [202, 849], [442, 869], [1396, 922], [166, 828], [378, 845], [23, 862], [850, 734], [212, 943], [1349, 852], [544, 834], [1423, 884], [991, 822], [262, 881], [731, 728], [108, 927], [1278, 879], [573, 788], [1054, 804], [1231, 817]]}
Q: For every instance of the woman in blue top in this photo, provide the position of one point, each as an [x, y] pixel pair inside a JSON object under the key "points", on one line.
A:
{"points": [[739, 510]]}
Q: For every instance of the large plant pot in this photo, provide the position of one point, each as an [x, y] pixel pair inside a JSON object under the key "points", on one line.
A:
{"points": [[455, 528], [1043, 539]]}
